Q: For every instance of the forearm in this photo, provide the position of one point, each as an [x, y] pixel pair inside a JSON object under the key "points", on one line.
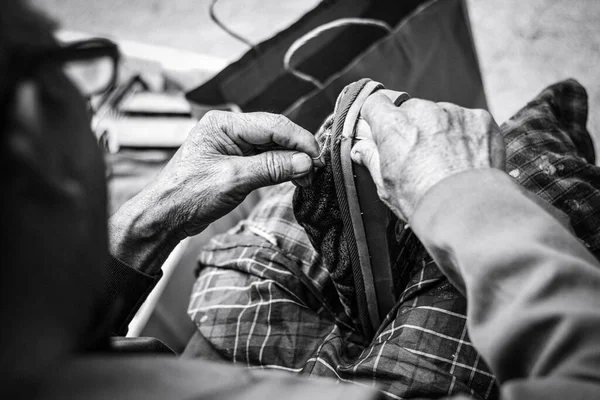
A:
{"points": [[533, 288], [141, 237], [142, 233]]}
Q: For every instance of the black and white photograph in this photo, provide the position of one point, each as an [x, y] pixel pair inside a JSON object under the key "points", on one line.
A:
{"points": [[300, 199]]}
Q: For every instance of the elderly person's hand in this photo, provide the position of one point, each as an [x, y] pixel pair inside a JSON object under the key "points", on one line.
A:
{"points": [[419, 144], [225, 157]]}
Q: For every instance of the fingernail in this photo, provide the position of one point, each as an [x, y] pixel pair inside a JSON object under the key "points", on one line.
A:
{"points": [[302, 182], [301, 164], [319, 162]]}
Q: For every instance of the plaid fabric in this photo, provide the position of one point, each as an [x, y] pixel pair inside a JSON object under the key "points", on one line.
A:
{"points": [[264, 299], [550, 152]]}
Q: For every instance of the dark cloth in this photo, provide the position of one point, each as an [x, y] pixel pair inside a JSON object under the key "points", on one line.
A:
{"points": [[264, 296], [126, 291], [139, 345]]}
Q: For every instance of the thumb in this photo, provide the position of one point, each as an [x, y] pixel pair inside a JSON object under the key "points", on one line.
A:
{"points": [[365, 153], [273, 167]]}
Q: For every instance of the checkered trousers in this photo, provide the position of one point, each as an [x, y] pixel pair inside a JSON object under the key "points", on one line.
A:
{"points": [[264, 299]]}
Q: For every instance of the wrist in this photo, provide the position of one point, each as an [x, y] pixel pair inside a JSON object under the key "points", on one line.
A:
{"points": [[142, 232]]}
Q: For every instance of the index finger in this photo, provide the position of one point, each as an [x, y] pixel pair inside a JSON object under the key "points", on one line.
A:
{"points": [[381, 114], [262, 128]]}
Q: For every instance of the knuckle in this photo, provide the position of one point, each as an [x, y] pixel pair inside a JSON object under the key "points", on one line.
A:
{"points": [[448, 106], [276, 122], [382, 116], [418, 105], [276, 166], [391, 122], [213, 116], [412, 102], [218, 119], [444, 116], [197, 129], [281, 127], [280, 121]]}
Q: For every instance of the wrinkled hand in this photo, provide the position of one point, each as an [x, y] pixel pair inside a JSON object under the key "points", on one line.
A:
{"points": [[225, 157], [419, 144]]}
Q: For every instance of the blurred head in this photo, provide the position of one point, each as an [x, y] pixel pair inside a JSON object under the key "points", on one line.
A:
{"points": [[54, 241]]}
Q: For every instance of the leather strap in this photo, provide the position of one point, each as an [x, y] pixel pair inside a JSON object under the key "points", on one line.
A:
{"points": [[365, 217], [348, 134], [343, 104]]}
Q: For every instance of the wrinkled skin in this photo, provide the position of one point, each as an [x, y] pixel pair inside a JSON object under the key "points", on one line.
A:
{"points": [[421, 143], [225, 157]]}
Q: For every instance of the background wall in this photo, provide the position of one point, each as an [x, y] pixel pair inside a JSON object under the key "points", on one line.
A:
{"points": [[526, 45]]}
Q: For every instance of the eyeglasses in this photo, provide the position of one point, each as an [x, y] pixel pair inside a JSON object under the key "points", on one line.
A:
{"points": [[92, 64]]}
